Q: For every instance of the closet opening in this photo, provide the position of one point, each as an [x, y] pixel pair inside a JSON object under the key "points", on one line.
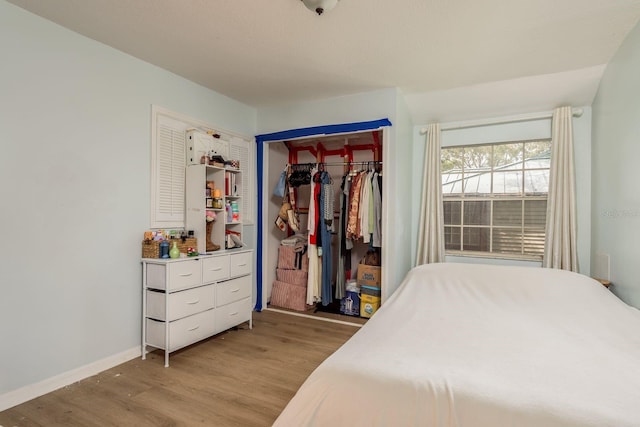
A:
{"points": [[302, 273]]}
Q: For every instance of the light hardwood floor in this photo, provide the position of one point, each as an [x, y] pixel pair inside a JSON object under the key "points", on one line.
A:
{"points": [[237, 378]]}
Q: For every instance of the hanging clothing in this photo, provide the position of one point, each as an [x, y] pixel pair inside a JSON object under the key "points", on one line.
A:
{"points": [[326, 203], [317, 191], [312, 215], [348, 243], [328, 200], [371, 212], [377, 212], [363, 210], [354, 204], [360, 216], [313, 277], [340, 271]]}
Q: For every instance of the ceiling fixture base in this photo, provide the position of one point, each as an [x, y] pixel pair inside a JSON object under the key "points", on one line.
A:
{"points": [[320, 6]]}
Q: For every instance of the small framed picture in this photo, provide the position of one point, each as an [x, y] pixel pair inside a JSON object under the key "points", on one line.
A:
{"points": [[209, 202]]}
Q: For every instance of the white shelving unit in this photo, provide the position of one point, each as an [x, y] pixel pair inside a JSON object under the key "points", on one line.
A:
{"points": [[229, 182]]}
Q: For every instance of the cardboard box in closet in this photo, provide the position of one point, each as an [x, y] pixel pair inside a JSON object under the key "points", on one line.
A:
{"points": [[369, 275], [369, 301]]}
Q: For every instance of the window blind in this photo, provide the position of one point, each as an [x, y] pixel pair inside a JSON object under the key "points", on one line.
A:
{"points": [[168, 171]]}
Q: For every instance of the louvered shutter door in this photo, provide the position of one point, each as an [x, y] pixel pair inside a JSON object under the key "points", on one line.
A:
{"points": [[169, 174], [240, 149]]}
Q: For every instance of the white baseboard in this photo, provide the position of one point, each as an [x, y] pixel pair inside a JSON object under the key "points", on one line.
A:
{"points": [[31, 391]]}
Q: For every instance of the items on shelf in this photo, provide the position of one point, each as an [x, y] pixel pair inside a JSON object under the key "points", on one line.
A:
{"points": [[217, 161], [192, 252], [229, 211], [216, 211], [210, 245], [158, 243], [235, 212], [213, 196], [233, 239], [164, 249], [230, 184], [217, 199], [174, 252]]}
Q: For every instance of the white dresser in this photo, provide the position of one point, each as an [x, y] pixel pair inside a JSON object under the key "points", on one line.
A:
{"points": [[188, 299]]}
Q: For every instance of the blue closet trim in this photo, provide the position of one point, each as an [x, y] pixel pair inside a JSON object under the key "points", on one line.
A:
{"points": [[292, 134], [260, 158], [322, 130]]}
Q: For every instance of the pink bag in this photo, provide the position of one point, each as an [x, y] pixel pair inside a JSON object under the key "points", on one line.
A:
{"points": [[293, 258], [294, 277], [287, 295]]}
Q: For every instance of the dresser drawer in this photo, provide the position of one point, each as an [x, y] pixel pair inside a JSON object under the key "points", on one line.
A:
{"points": [[215, 268], [233, 290], [241, 264], [181, 332], [181, 275], [180, 304], [233, 314], [185, 274]]}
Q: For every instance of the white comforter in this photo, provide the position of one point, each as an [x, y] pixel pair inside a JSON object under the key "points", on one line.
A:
{"points": [[479, 345]]}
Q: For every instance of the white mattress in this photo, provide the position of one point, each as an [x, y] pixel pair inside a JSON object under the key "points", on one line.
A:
{"points": [[479, 345]]}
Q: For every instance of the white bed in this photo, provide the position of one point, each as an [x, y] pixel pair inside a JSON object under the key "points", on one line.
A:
{"points": [[479, 345]]}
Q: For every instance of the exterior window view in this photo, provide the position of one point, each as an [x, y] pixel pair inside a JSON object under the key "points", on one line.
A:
{"points": [[495, 198]]}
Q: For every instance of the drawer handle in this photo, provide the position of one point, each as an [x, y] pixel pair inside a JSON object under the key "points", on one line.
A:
{"points": [[235, 290], [235, 313], [194, 328], [185, 274], [242, 265], [215, 269], [193, 302]]}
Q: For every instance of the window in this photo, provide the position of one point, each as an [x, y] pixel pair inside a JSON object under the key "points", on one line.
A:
{"points": [[495, 199]]}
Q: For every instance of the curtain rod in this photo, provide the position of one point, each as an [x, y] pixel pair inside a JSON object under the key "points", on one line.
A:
{"points": [[577, 112]]}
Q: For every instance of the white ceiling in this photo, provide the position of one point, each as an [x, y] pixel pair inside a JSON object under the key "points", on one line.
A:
{"points": [[271, 52]]}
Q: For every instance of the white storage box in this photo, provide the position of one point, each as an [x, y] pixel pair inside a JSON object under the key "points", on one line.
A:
{"points": [[202, 144]]}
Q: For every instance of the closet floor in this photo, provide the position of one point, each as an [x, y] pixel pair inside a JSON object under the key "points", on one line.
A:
{"points": [[321, 315]]}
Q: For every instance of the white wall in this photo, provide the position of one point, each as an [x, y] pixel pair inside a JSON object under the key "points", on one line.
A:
{"points": [[616, 154], [344, 109], [519, 131], [74, 178], [398, 232]]}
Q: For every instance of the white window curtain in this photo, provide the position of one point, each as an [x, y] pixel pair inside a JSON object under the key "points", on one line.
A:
{"points": [[431, 228], [560, 242]]}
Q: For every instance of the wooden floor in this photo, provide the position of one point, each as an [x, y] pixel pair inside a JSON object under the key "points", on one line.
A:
{"points": [[238, 378]]}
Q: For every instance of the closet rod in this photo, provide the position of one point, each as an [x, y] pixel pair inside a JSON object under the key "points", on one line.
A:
{"points": [[370, 162]]}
